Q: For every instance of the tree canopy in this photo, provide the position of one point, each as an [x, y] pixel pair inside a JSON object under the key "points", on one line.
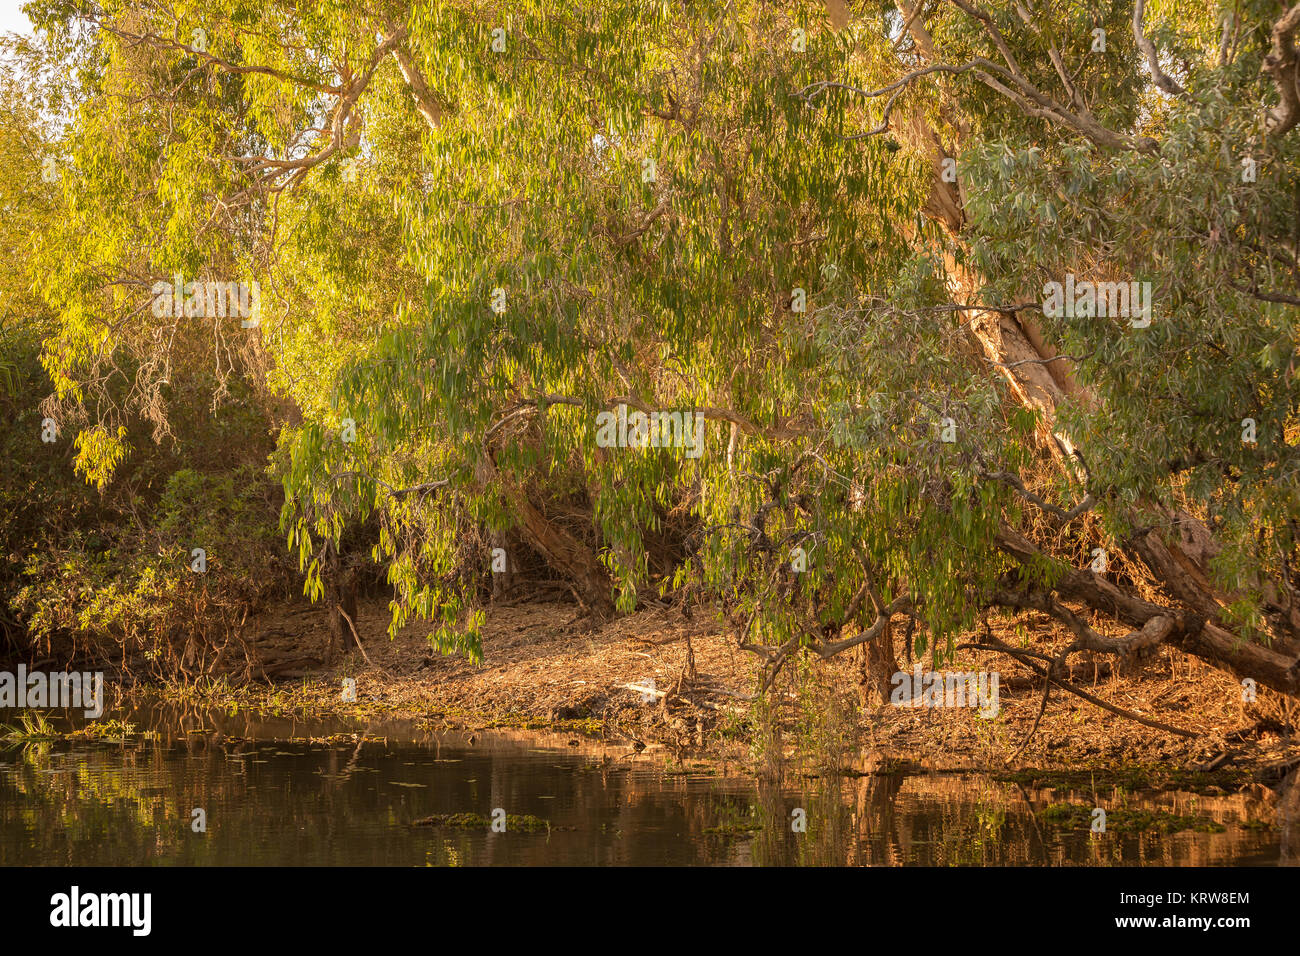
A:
{"points": [[896, 258]]}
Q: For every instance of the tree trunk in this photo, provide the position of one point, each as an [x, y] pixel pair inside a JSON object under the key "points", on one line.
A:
{"points": [[561, 550], [570, 556], [879, 665], [503, 581], [1007, 339], [340, 595]]}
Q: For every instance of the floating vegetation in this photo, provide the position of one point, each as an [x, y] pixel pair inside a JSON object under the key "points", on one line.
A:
{"points": [[34, 725], [1135, 776], [517, 822], [738, 827], [736, 822], [1077, 816], [31, 726], [106, 730]]}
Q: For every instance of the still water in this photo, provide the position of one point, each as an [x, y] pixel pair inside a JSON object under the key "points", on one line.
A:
{"points": [[280, 792]]}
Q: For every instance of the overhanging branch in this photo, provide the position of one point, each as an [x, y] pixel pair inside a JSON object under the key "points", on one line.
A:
{"points": [[1162, 79]]}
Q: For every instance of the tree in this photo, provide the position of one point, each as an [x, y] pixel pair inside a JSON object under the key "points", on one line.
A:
{"points": [[483, 233]]}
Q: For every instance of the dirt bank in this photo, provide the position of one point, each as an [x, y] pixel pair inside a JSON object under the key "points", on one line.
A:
{"points": [[630, 682]]}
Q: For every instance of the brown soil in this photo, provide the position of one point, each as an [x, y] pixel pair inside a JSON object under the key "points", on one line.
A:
{"points": [[543, 669]]}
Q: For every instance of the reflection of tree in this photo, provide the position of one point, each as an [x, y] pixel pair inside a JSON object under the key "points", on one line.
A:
{"points": [[1288, 819], [106, 803]]}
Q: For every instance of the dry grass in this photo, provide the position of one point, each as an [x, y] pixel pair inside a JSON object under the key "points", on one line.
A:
{"points": [[541, 669]]}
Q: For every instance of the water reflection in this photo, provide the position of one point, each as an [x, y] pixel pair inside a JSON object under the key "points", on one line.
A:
{"points": [[281, 792]]}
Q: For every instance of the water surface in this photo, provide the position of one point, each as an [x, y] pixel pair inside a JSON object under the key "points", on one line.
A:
{"points": [[281, 792]]}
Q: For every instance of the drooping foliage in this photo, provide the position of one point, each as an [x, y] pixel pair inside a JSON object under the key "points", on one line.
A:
{"points": [[824, 228]]}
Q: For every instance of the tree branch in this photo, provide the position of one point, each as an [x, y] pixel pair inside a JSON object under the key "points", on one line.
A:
{"points": [[1280, 64], [1163, 80], [1191, 633], [426, 103], [1065, 685]]}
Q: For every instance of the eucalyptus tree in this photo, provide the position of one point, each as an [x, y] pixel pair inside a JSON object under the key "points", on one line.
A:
{"points": [[837, 233], [1143, 151]]}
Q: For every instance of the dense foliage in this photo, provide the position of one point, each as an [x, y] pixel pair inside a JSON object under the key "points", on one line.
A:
{"points": [[826, 229]]}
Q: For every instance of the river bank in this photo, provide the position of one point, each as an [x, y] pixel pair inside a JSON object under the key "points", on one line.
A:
{"points": [[660, 684]]}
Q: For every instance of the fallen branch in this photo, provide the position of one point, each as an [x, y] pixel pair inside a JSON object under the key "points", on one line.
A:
{"points": [[1153, 632], [998, 645], [357, 637], [1192, 632]]}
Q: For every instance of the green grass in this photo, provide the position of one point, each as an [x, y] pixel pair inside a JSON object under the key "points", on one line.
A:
{"points": [[30, 726]]}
